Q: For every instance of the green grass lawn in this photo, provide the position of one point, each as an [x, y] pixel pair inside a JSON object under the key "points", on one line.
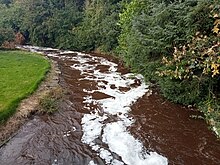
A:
{"points": [[20, 74]]}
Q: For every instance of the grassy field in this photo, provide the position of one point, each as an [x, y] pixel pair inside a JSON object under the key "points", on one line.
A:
{"points": [[20, 74]]}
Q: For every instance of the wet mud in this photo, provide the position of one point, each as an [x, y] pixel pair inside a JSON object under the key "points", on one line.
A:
{"points": [[163, 130]]}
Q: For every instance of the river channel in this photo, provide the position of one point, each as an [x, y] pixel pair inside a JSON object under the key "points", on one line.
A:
{"points": [[110, 116]]}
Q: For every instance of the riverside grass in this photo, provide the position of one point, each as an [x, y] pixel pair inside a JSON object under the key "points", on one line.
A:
{"points": [[20, 74]]}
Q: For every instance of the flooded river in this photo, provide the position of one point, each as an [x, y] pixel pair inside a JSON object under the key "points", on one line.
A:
{"points": [[110, 117]]}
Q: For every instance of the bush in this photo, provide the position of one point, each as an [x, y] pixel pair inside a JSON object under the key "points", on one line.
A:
{"points": [[192, 75], [187, 92], [6, 35], [146, 26], [211, 109], [49, 103], [198, 62]]}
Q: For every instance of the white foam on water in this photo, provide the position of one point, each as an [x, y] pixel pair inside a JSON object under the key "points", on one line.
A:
{"points": [[37, 48], [98, 126], [53, 55], [116, 162], [216, 131], [92, 163], [131, 150], [114, 133], [67, 52]]}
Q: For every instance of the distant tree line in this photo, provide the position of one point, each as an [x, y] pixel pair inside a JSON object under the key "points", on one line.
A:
{"points": [[175, 43]]}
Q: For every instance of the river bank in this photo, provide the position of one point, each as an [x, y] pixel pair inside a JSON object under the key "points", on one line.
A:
{"points": [[30, 105]]}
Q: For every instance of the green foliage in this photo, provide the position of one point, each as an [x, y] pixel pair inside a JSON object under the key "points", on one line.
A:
{"points": [[146, 25], [6, 35], [6, 32], [187, 74], [192, 75], [43, 23], [80, 25], [21, 73], [98, 29], [64, 24], [187, 92], [130, 11], [211, 109], [49, 103], [199, 60]]}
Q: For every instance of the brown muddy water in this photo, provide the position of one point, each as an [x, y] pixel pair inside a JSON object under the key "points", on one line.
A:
{"points": [[110, 116]]}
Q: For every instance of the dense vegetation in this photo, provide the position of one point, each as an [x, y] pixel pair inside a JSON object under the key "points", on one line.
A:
{"points": [[20, 73], [173, 43]]}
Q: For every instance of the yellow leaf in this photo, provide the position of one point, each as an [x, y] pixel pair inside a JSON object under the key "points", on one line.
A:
{"points": [[215, 29], [217, 22], [210, 109], [215, 66], [215, 16], [215, 70]]}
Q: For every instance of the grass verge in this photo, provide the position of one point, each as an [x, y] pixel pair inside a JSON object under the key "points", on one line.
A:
{"points": [[20, 74]]}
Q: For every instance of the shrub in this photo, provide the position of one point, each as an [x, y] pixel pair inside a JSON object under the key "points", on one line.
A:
{"points": [[192, 75], [6, 35], [49, 103], [198, 62]]}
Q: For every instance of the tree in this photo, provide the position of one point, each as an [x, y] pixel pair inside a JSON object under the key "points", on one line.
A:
{"points": [[99, 29], [6, 35]]}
